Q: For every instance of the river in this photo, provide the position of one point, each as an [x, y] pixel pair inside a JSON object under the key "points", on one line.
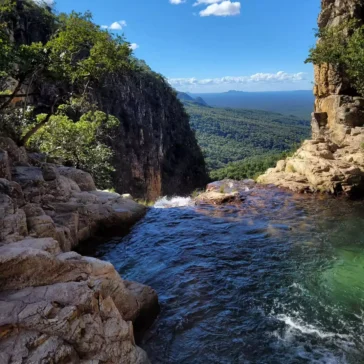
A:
{"points": [[278, 278]]}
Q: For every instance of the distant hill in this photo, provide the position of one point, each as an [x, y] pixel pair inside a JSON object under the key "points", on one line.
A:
{"points": [[186, 98], [297, 103], [229, 135]]}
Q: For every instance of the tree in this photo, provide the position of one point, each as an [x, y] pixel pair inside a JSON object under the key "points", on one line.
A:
{"points": [[60, 66], [74, 61], [342, 46], [79, 143]]}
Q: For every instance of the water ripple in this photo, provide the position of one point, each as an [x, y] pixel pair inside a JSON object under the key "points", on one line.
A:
{"points": [[277, 279]]}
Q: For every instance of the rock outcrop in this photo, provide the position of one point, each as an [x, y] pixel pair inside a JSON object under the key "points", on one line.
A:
{"points": [[55, 305], [333, 161]]}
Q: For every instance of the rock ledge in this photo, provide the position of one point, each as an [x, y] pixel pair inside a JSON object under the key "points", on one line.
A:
{"points": [[55, 305]]}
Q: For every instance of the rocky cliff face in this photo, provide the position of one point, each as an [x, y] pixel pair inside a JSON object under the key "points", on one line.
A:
{"points": [[156, 152], [55, 305], [333, 161]]}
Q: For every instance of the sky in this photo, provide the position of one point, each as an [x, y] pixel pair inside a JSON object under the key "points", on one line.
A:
{"points": [[215, 45]]}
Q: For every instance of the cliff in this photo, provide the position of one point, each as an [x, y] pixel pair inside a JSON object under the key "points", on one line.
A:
{"points": [[333, 160], [55, 305], [156, 152]]}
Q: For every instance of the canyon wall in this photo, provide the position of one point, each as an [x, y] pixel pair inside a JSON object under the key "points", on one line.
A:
{"points": [[333, 160], [156, 152]]}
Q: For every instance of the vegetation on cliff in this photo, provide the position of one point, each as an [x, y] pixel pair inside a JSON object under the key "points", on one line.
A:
{"points": [[342, 46]]}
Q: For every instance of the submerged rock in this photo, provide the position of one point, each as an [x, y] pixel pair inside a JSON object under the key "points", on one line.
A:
{"points": [[55, 305], [225, 191]]}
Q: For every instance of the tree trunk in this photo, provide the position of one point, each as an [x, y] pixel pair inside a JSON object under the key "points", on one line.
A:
{"points": [[32, 131]]}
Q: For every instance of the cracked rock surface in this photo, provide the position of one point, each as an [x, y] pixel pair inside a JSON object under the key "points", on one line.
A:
{"points": [[57, 306]]}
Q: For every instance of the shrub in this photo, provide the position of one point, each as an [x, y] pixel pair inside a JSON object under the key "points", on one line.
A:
{"points": [[342, 46]]}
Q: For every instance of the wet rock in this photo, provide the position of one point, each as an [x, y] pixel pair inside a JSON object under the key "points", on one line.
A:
{"points": [[148, 305], [217, 198]]}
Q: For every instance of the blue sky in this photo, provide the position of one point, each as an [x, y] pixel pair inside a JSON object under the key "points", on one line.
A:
{"points": [[218, 45]]}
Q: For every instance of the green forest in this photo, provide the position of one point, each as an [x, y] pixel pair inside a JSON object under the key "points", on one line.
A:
{"points": [[240, 143]]}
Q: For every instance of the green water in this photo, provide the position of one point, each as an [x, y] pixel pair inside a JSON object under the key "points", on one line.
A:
{"points": [[277, 279]]}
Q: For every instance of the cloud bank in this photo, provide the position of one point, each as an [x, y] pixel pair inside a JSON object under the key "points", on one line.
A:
{"points": [[256, 78], [177, 2]]}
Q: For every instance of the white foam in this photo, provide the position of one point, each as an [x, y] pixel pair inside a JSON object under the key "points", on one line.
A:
{"points": [[168, 202], [296, 324]]}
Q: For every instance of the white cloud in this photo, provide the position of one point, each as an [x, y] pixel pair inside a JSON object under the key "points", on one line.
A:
{"points": [[267, 78], [44, 2], [134, 46], [177, 2], [206, 2], [117, 25], [226, 8]]}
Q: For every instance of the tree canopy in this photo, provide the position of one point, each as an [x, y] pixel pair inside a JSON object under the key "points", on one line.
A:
{"points": [[232, 135], [69, 56]]}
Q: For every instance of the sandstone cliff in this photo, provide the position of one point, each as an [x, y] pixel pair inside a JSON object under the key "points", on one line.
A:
{"points": [[156, 152], [55, 305], [333, 161]]}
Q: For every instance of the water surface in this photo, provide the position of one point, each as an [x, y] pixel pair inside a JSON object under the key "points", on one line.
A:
{"points": [[278, 278]]}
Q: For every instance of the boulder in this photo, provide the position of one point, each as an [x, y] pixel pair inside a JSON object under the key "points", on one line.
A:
{"points": [[16, 155], [28, 176], [148, 305], [50, 172], [65, 322], [12, 220], [83, 179], [217, 198], [13, 190], [4, 165]]}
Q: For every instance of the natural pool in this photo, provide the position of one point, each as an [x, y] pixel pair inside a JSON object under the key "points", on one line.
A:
{"points": [[278, 278]]}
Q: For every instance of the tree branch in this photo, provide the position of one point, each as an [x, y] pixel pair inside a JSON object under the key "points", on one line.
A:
{"points": [[32, 131], [18, 95], [11, 97]]}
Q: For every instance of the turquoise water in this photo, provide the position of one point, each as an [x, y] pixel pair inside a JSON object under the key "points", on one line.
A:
{"points": [[278, 278]]}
